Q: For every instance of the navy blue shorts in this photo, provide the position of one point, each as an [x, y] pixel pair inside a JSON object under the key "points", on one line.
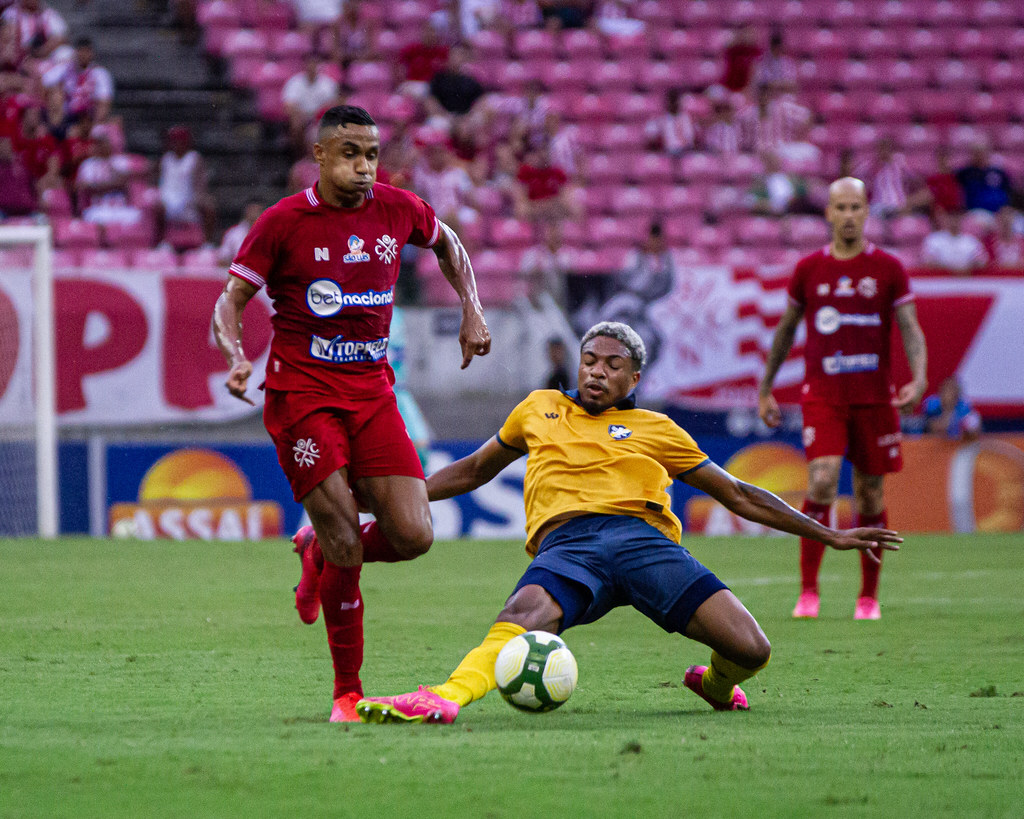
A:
{"points": [[595, 563]]}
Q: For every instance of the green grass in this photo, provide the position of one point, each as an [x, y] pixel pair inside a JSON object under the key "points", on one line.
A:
{"points": [[175, 679]]}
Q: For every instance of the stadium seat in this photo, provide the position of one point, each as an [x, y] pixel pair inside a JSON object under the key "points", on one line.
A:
{"points": [[612, 76], [183, 235], [656, 13], [55, 202], [532, 44], [906, 76], [638, 108], [606, 168], [888, 109], [370, 76], [567, 75], [269, 17], [580, 43], [411, 13], [805, 231], [927, 42], [290, 45], [987, 109], [710, 238], [700, 167], [755, 231], [510, 77], [675, 43], [634, 200], [137, 235], [486, 44], [909, 229], [693, 257], [491, 264], [677, 200], [652, 168], [75, 233], [658, 76], [956, 75], [65, 258], [104, 258], [245, 42], [995, 13], [511, 233], [742, 168], [944, 13], [881, 42], [155, 258], [501, 291], [620, 136], [1004, 75]]}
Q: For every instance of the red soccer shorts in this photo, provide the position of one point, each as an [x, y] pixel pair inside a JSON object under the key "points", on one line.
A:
{"points": [[318, 434], [867, 434]]}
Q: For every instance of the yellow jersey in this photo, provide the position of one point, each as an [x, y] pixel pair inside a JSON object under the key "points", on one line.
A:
{"points": [[620, 462]]}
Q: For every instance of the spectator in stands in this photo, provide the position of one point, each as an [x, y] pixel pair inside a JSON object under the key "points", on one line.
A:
{"points": [[721, 133], [949, 413], [11, 54], [649, 270], [75, 148], [563, 148], [776, 68], [1005, 245], [452, 88], [559, 14], [617, 18], [545, 267], [55, 114], [949, 248], [741, 55], [184, 197], [40, 30], [351, 39], [777, 192], [315, 16], [799, 155], [88, 87], [101, 183], [17, 188], [986, 186], [545, 192], [39, 150], [477, 15], [305, 95], [940, 190], [673, 131], [235, 235], [439, 176], [888, 178], [529, 112], [421, 60], [558, 365]]}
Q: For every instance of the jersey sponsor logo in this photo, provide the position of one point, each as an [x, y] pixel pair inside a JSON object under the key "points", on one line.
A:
{"points": [[844, 287], [321, 254], [828, 319], [619, 432], [325, 298], [839, 363], [823, 289], [867, 287], [306, 452], [387, 249], [808, 436], [890, 439], [550, 414], [355, 251], [339, 351]]}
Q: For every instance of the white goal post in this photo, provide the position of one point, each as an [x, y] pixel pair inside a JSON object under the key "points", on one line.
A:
{"points": [[42, 402]]}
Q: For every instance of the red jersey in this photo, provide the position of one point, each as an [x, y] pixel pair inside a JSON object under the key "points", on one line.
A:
{"points": [[331, 274], [848, 309]]}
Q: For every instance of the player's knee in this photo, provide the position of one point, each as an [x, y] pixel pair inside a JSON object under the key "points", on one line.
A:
{"points": [[414, 541], [532, 607], [341, 545], [757, 652]]}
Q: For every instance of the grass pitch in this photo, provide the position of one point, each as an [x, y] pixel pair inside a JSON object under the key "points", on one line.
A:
{"points": [[174, 679]]}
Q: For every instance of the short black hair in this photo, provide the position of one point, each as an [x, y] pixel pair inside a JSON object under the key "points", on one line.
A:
{"points": [[342, 115], [82, 42]]}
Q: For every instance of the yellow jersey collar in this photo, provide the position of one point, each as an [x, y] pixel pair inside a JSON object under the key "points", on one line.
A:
{"points": [[627, 403]]}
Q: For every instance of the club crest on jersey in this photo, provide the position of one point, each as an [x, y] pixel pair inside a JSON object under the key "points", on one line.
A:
{"points": [[619, 432], [823, 289], [355, 251], [867, 287], [844, 287], [387, 249]]}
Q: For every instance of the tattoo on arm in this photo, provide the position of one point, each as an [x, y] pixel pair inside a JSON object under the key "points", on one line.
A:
{"points": [[782, 343], [913, 340]]}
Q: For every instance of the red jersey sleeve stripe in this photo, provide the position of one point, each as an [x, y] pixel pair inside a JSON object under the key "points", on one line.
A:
{"points": [[903, 299], [248, 274], [437, 232]]}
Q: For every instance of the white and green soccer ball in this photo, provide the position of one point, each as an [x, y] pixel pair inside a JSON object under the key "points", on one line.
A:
{"points": [[536, 671]]}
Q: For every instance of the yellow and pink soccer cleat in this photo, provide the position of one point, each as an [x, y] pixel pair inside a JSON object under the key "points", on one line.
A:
{"points": [[694, 680], [807, 605], [867, 609], [307, 593], [422, 705]]}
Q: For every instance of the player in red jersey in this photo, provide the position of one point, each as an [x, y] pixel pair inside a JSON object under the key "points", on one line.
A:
{"points": [[850, 291], [329, 258]]}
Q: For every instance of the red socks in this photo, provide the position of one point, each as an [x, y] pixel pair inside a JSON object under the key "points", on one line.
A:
{"points": [[811, 551], [343, 616], [376, 547], [869, 570]]}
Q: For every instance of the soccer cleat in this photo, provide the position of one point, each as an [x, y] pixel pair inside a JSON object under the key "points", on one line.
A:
{"points": [[422, 705], [307, 593], [807, 605], [344, 709], [694, 680], [867, 609]]}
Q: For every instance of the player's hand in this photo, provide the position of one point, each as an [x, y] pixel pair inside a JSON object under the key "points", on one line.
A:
{"points": [[237, 379], [768, 409], [867, 538], [474, 337], [909, 396]]}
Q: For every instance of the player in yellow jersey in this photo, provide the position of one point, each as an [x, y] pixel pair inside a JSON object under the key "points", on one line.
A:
{"points": [[602, 534]]}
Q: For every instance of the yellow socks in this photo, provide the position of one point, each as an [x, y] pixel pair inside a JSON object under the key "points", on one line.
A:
{"points": [[722, 675], [475, 675]]}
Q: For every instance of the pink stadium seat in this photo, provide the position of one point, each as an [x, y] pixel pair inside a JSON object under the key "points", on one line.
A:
{"points": [[676, 200], [633, 49], [65, 258], [679, 229], [370, 76], [749, 12], [269, 104], [743, 257], [993, 13], [863, 74], [510, 76], [652, 169], [75, 233], [606, 169], [155, 258], [386, 43], [742, 168], [1010, 138], [946, 13], [693, 257], [821, 44], [410, 13], [722, 201], [183, 235], [632, 200], [245, 42], [613, 76], [956, 75], [675, 43], [272, 16], [917, 138], [658, 76], [290, 45], [906, 75], [638, 108], [274, 74], [710, 238], [1004, 75], [849, 14], [698, 14], [511, 233], [927, 42], [531, 44], [487, 44], [242, 70], [838, 107], [133, 236], [55, 202], [603, 107], [909, 229], [755, 231], [567, 75], [896, 13], [974, 43], [219, 12], [104, 258], [597, 198], [492, 264], [888, 109], [656, 13], [805, 231], [881, 42], [501, 291], [987, 109], [699, 167], [936, 107], [582, 43]]}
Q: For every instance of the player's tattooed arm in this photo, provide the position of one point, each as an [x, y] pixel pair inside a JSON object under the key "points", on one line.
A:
{"points": [[914, 346], [782, 343], [227, 331], [452, 258]]}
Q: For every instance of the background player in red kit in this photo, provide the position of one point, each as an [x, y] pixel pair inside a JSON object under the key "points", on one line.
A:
{"points": [[850, 291], [329, 257]]}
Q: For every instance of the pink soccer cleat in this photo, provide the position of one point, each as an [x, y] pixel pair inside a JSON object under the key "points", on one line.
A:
{"points": [[694, 680], [807, 605], [307, 593], [867, 609], [344, 709], [422, 705]]}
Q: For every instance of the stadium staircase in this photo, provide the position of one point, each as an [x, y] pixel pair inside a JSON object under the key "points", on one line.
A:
{"points": [[162, 80]]}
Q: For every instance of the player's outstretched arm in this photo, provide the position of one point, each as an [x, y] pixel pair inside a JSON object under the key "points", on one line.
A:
{"points": [[452, 258], [466, 474], [782, 343], [761, 506], [227, 331], [910, 395]]}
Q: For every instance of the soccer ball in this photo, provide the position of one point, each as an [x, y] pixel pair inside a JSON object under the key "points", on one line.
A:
{"points": [[535, 671]]}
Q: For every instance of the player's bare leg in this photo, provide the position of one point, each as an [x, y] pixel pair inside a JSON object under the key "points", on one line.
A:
{"points": [[403, 529], [822, 487], [869, 500], [739, 650], [335, 516]]}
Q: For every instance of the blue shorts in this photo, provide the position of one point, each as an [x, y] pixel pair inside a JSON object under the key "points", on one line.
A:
{"points": [[595, 563]]}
